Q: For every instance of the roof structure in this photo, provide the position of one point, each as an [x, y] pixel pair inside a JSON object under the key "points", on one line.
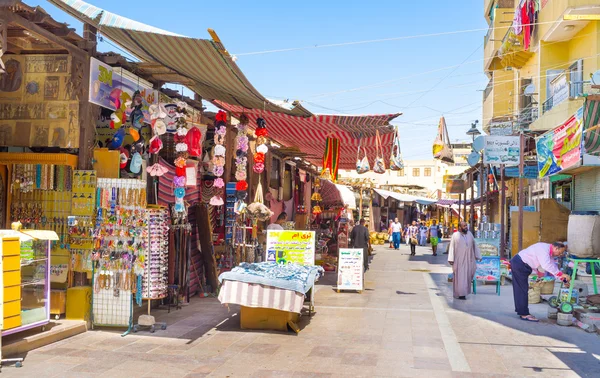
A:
{"points": [[202, 65], [308, 134]]}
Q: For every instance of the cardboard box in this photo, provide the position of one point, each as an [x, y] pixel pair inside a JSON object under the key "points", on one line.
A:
{"points": [[267, 318]]}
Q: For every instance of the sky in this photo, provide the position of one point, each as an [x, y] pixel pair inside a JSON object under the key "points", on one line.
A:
{"points": [[423, 77]]}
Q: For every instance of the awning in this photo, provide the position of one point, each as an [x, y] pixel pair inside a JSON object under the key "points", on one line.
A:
{"points": [[446, 202], [202, 65], [591, 118], [337, 195], [405, 197], [308, 134]]}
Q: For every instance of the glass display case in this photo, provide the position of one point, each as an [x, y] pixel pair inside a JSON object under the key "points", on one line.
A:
{"points": [[26, 283]]}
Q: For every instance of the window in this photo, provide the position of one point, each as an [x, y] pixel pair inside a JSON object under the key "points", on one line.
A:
{"points": [[427, 172], [416, 172], [576, 79], [400, 172]]}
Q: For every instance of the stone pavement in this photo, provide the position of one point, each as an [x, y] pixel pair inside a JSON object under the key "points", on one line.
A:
{"points": [[405, 324]]}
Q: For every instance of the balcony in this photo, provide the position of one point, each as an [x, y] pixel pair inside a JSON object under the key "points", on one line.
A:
{"points": [[511, 52], [557, 114], [527, 116], [557, 18], [502, 17]]}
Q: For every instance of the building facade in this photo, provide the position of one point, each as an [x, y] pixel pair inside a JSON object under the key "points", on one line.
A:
{"points": [[539, 57]]}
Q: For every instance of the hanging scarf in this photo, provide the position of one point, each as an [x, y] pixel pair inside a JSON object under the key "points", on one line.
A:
{"points": [[331, 157]]}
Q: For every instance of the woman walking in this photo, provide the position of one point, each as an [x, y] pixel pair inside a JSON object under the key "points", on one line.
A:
{"points": [[412, 237]]}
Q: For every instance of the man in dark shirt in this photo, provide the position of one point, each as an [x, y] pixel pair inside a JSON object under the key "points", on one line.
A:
{"points": [[360, 239]]}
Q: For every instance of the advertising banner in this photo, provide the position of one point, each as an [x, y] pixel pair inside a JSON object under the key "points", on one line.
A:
{"points": [[291, 246], [501, 150], [110, 87], [560, 148], [350, 269]]}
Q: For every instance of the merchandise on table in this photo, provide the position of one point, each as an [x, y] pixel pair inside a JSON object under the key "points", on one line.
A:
{"points": [[299, 278]]}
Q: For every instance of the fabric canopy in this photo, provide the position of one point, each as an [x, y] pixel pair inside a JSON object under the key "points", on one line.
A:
{"points": [[202, 65], [337, 195], [309, 134], [405, 197]]}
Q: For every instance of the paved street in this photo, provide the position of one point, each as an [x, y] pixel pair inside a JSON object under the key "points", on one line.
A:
{"points": [[405, 324]]}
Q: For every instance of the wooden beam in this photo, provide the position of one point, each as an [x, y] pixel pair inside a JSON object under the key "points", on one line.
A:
{"points": [[72, 49]]}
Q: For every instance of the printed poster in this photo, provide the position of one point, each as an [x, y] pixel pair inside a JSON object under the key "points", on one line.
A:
{"points": [[560, 148], [350, 269], [501, 150], [488, 269], [291, 246], [488, 247], [110, 87]]}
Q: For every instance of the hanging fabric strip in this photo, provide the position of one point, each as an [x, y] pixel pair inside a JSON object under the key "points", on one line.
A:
{"points": [[331, 157]]}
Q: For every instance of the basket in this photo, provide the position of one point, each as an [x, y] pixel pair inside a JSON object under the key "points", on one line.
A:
{"points": [[535, 295], [547, 287]]}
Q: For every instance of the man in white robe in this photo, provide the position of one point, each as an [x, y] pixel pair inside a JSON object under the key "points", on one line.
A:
{"points": [[462, 255]]}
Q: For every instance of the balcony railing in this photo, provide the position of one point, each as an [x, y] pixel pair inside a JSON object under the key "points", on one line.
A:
{"points": [[487, 36], [488, 89], [527, 116]]}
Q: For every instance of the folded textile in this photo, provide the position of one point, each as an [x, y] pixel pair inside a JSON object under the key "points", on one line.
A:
{"points": [[299, 278]]}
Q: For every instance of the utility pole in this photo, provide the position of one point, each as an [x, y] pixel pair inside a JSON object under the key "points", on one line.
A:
{"points": [[502, 213], [521, 189]]}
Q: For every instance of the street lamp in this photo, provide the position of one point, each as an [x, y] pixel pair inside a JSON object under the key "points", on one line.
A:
{"points": [[473, 131]]}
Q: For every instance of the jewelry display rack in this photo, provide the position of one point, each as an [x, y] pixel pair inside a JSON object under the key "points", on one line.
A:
{"points": [[156, 262], [120, 244]]}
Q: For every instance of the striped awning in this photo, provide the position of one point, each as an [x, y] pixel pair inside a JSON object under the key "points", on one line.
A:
{"points": [[202, 65], [308, 134], [591, 118]]}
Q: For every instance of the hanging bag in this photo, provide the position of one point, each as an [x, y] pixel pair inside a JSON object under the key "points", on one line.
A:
{"points": [[379, 166], [396, 162], [441, 146], [362, 166]]}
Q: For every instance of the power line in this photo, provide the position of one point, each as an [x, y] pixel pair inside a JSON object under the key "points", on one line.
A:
{"points": [[317, 46]]}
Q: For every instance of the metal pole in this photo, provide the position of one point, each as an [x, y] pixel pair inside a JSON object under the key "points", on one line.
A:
{"points": [[488, 188], [360, 206], [459, 206], [472, 217], [521, 189], [502, 213]]}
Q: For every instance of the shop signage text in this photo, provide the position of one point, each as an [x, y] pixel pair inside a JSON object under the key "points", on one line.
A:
{"points": [[501, 150], [350, 269], [560, 148], [293, 246]]}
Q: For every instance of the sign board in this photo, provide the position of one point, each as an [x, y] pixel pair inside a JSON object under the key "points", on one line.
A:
{"points": [[291, 246], [111, 86], [515, 209], [501, 128], [559, 89], [560, 148], [488, 247], [501, 150], [488, 269], [350, 269], [455, 186]]}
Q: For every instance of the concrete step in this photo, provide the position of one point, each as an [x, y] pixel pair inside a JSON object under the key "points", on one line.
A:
{"points": [[23, 342]]}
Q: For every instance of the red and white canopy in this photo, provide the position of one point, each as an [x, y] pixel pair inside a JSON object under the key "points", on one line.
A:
{"points": [[308, 134]]}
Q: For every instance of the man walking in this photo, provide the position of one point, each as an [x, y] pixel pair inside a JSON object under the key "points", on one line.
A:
{"points": [[533, 257], [396, 233], [359, 238], [463, 253], [434, 236]]}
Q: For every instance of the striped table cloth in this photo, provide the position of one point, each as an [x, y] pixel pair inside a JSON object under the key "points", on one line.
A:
{"points": [[255, 295]]}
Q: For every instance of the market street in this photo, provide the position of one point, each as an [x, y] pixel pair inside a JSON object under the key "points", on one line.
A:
{"points": [[404, 324]]}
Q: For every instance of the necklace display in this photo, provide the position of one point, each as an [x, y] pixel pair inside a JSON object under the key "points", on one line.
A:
{"points": [[156, 261]]}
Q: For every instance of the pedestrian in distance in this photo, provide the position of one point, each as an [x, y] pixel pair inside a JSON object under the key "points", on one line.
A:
{"points": [[413, 234], [390, 238], [423, 234], [406, 235], [434, 236], [463, 255], [396, 233], [359, 238], [533, 257]]}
